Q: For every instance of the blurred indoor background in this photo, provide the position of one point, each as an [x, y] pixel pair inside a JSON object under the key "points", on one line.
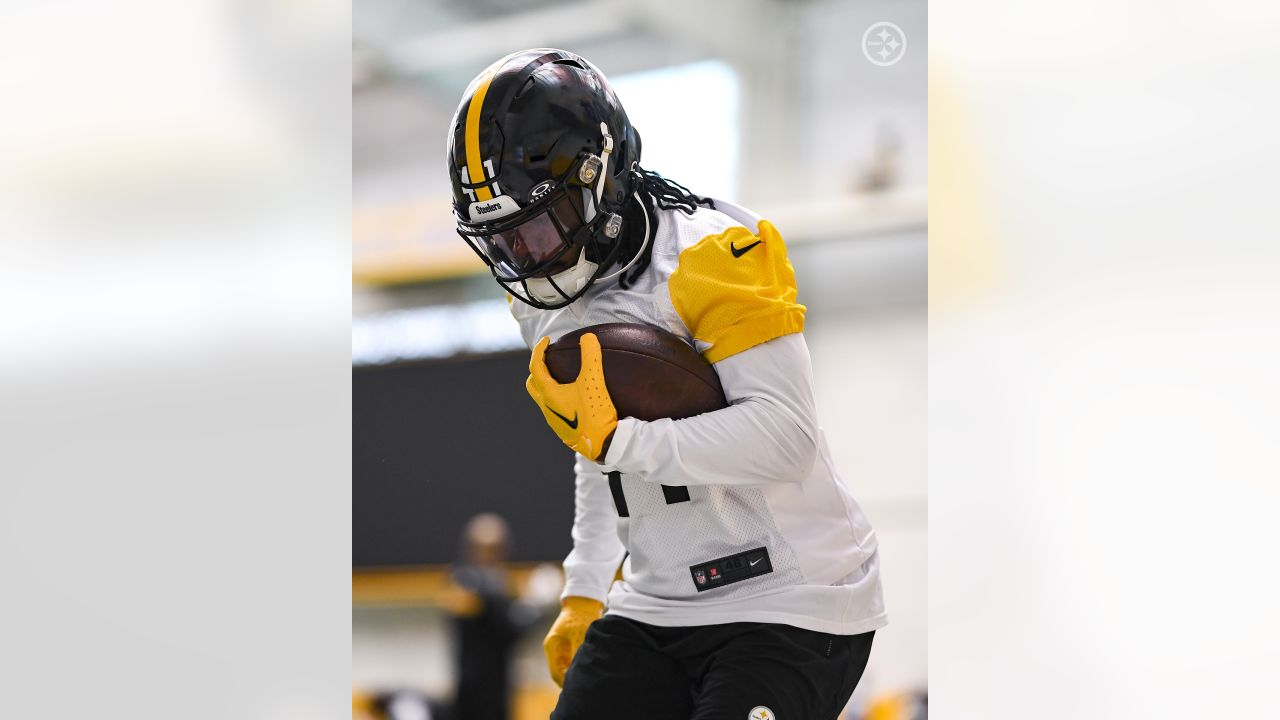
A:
{"points": [[768, 103], [173, 383]]}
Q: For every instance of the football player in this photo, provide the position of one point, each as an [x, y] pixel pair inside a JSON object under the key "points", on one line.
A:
{"points": [[751, 583]]}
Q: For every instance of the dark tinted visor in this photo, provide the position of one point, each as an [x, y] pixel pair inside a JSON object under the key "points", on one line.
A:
{"points": [[534, 246]]}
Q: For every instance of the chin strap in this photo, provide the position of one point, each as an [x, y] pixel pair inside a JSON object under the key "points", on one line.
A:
{"points": [[604, 162], [592, 202]]}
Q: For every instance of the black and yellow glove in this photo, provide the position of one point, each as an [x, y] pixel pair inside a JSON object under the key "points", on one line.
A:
{"points": [[580, 412], [566, 634]]}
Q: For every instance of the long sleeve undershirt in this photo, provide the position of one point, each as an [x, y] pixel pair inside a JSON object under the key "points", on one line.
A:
{"points": [[597, 551], [768, 434]]}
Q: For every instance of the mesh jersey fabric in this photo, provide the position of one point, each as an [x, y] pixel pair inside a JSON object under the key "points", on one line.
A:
{"points": [[735, 290]]}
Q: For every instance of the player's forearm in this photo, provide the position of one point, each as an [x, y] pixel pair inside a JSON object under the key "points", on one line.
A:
{"points": [[767, 435], [590, 578], [597, 551], [746, 444], [590, 566]]}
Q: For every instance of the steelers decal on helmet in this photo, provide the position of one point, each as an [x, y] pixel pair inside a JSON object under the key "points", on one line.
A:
{"points": [[761, 712]]}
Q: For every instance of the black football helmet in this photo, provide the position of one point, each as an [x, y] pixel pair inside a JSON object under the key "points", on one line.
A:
{"points": [[543, 162]]}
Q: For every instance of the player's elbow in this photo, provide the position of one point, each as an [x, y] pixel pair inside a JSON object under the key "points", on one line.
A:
{"points": [[791, 447], [796, 448], [801, 453]]}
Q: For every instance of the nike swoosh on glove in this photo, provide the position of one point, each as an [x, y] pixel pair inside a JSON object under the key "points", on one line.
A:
{"points": [[566, 634], [580, 412]]}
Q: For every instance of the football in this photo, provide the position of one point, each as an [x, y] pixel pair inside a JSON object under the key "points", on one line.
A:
{"points": [[650, 373]]}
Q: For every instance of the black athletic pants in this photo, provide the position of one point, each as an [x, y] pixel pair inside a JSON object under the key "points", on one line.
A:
{"points": [[627, 669]]}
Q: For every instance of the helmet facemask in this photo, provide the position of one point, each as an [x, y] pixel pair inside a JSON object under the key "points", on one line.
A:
{"points": [[549, 253]]}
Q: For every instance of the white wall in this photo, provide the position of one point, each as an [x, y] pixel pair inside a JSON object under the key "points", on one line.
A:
{"points": [[869, 373]]}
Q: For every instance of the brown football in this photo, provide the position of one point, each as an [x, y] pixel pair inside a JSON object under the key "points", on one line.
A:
{"points": [[650, 373]]}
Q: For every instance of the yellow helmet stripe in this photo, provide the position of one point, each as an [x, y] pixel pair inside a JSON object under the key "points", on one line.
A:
{"points": [[471, 137]]}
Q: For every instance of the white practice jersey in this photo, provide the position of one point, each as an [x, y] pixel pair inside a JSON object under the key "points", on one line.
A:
{"points": [[737, 515]]}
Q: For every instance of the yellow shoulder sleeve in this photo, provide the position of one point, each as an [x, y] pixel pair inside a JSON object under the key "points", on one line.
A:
{"points": [[735, 290]]}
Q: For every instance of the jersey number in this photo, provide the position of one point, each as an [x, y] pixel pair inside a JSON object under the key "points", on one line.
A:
{"points": [[672, 493]]}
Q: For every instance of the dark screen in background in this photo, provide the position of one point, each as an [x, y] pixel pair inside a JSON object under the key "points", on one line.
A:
{"points": [[436, 442]]}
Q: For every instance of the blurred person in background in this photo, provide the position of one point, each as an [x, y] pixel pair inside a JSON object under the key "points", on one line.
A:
{"points": [[751, 586], [488, 620]]}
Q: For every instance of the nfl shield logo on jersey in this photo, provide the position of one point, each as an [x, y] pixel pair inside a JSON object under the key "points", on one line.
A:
{"points": [[700, 577]]}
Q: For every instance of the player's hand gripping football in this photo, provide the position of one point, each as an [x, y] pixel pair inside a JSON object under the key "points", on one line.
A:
{"points": [[580, 412], [567, 633]]}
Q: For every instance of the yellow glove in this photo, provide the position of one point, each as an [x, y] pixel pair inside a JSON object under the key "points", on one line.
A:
{"points": [[580, 412], [567, 633]]}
